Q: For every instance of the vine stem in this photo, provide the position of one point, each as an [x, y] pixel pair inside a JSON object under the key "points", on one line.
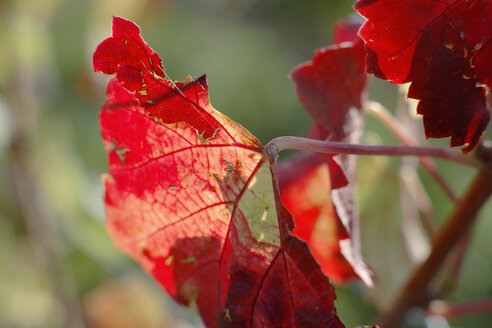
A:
{"points": [[385, 117], [416, 290], [454, 310], [332, 147]]}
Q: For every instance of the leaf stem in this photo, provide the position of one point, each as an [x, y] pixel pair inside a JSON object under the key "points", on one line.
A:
{"points": [[454, 310], [385, 117], [416, 290], [332, 147]]}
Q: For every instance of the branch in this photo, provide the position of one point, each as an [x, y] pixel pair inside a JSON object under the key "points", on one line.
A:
{"points": [[455, 263], [454, 310], [331, 147], [416, 290]]}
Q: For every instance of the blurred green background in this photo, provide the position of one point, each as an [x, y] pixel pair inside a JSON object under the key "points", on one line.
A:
{"points": [[58, 267]]}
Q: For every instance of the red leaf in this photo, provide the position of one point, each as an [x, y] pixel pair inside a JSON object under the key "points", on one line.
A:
{"points": [[443, 48], [332, 89], [191, 196], [305, 187], [333, 82]]}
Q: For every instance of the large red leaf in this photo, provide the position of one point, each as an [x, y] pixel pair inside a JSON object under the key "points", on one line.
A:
{"points": [[332, 88], [444, 49], [191, 196]]}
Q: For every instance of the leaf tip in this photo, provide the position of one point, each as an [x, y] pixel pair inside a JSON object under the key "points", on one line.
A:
{"points": [[122, 26]]}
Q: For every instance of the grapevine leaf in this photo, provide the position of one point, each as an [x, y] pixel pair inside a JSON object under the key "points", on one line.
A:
{"points": [[332, 89], [192, 197], [305, 188], [333, 82], [443, 48]]}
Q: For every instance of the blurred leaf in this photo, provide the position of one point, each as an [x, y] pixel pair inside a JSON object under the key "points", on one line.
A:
{"points": [[125, 303]]}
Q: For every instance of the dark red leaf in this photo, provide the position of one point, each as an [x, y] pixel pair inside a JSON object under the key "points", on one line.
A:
{"points": [[332, 89], [333, 82], [443, 48], [191, 196]]}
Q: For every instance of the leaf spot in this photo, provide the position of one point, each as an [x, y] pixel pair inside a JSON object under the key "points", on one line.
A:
{"points": [[227, 315], [194, 258], [121, 153], [230, 167], [157, 120], [169, 260], [478, 46], [264, 217], [202, 138], [188, 80], [188, 259]]}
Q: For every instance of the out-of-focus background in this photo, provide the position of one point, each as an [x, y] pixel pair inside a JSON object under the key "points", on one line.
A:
{"points": [[58, 267]]}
